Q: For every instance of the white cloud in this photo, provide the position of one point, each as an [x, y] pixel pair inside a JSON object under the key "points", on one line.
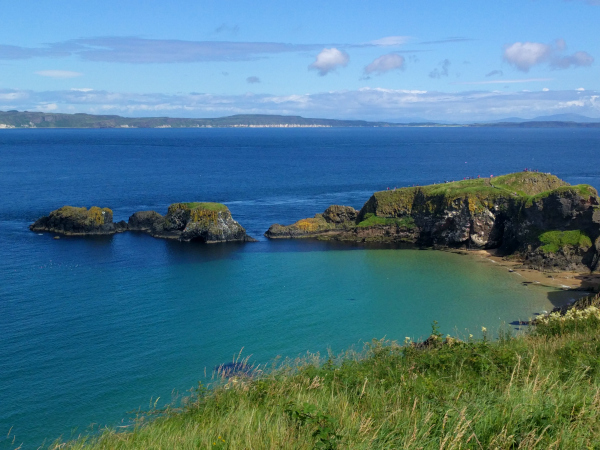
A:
{"points": [[525, 55], [370, 103], [580, 89], [82, 89], [385, 63], [545, 90], [390, 41], [329, 60], [58, 73]]}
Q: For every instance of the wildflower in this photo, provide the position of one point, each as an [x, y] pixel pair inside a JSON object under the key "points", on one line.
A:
{"points": [[483, 329], [470, 336]]}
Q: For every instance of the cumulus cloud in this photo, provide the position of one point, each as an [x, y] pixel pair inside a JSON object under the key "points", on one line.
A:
{"points": [[390, 41], [525, 55], [494, 72], [385, 63], [329, 60], [58, 73], [252, 80], [442, 71]]}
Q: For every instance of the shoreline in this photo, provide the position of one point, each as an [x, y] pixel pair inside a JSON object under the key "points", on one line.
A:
{"points": [[568, 286]]}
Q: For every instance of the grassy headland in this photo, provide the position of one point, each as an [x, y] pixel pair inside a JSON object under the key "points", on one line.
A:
{"points": [[539, 390]]}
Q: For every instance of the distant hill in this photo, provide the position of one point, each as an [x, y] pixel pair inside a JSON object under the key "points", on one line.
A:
{"points": [[27, 119]]}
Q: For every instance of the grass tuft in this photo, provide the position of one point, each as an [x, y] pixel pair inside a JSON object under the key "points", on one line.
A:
{"points": [[555, 240]]}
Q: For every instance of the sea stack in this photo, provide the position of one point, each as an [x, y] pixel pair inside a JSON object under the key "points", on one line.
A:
{"points": [[79, 221], [196, 221]]}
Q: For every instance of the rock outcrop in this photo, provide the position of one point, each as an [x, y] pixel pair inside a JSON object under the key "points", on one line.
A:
{"points": [[333, 220], [547, 222], [202, 222], [70, 220]]}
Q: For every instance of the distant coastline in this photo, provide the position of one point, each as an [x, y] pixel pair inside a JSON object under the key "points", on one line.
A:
{"points": [[26, 119]]}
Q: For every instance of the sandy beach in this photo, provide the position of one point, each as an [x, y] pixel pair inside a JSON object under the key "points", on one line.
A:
{"points": [[568, 285]]}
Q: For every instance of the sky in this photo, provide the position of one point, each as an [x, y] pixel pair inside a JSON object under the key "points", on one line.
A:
{"points": [[400, 60]]}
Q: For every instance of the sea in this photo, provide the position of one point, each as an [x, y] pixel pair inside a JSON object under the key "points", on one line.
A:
{"points": [[96, 329]]}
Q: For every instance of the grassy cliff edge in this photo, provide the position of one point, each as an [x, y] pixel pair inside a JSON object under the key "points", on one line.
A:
{"points": [[538, 390]]}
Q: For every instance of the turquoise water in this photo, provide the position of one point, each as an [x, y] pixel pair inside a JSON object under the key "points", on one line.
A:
{"points": [[91, 328]]}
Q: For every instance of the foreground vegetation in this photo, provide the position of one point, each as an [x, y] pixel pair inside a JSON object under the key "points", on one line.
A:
{"points": [[538, 390]]}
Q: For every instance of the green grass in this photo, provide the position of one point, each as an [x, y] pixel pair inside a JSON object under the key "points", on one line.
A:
{"points": [[208, 206], [540, 390], [373, 220], [585, 190], [555, 240]]}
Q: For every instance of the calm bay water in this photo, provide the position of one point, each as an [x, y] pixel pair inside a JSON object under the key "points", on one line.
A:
{"points": [[91, 328]]}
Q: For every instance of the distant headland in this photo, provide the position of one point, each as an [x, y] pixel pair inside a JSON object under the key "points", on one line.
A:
{"points": [[28, 119], [536, 217]]}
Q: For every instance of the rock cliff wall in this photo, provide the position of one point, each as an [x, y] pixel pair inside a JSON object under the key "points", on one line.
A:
{"points": [[515, 213]]}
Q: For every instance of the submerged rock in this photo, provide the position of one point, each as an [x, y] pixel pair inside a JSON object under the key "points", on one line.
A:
{"points": [[70, 220], [512, 213]]}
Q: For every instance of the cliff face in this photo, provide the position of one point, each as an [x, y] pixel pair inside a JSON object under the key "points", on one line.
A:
{"points": [[513, 213], [70, 220], [203, 222]]}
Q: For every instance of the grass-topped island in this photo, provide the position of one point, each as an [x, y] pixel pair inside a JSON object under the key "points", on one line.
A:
{"points": [[206, 222], [538, 217]]}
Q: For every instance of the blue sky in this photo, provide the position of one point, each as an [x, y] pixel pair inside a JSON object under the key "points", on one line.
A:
{"points": [[386, 60]]}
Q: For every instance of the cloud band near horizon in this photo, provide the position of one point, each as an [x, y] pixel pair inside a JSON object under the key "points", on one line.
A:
{"points": [[365, 103]]}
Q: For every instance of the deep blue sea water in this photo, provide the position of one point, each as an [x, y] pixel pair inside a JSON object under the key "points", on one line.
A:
{"points": [[91, 328]]}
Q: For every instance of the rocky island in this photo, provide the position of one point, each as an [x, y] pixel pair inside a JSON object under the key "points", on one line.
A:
{"points": [[537, 217], [197, 221]]}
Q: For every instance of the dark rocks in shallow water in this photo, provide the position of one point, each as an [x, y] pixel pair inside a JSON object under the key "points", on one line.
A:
{"points": [[70, 220], [143, 220], [202, 222], [334, 219]]}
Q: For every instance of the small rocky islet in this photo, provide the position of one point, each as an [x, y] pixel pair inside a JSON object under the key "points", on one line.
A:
{"points": [[197, 221], [536, 217]]}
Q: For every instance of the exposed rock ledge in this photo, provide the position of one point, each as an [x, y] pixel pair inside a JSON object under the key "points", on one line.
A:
{"points": [[545, 221], [203, 222]]}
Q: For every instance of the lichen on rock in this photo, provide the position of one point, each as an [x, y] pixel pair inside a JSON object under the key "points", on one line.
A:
{"points": [[70, 220], [195, 221]]}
